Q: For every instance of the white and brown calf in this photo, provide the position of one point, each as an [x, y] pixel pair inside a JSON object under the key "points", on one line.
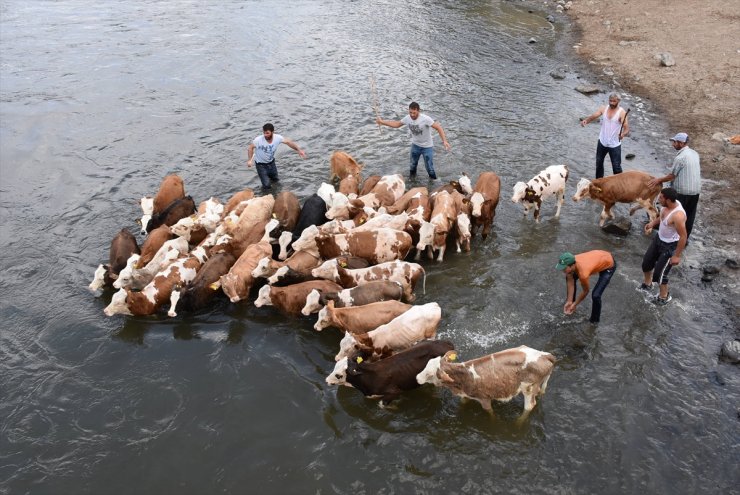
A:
{"points": [[237, 283], [418, 323], [500, 376], [136, 278], [627, 187], [376, 246], [433, 234], [549, 182]]}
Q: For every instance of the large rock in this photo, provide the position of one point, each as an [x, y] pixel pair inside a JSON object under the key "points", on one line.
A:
{"points": [[588, 90], [731, 351], [666, 59], [618, 226]]}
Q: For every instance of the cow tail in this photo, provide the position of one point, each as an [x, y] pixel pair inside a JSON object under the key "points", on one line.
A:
{"points": [[424, 281]]}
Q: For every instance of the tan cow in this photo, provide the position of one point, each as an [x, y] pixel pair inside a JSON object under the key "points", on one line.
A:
{"points": [[237, 283], [483, 202], [286, 209], [292, 298], [433, 234], [341, 165], [171, 189], [359, 319], [500, 376], [627, 187], [418, 323], [239, 197]]}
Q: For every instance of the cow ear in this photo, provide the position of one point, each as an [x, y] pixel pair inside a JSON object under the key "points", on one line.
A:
{"points": [[445, 377]]}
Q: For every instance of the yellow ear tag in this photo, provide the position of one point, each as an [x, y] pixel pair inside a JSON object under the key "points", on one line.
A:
{"points": [[213, 286], [343, 264], [452, 357], [359, 359], [274, 215], [363, 221]]}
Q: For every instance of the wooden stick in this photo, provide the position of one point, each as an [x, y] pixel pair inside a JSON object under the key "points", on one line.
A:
{"points": [[375, 100], [623, 121]]}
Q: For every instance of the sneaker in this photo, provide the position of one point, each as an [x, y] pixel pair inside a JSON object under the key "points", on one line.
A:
{"points": [[645, 287], [432, 177], [662, 302]]}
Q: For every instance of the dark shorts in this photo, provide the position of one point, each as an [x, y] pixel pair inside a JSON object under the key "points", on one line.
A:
{"points": [[657, 258]]}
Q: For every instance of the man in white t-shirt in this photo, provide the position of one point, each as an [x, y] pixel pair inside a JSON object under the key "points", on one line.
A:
{"points": [[614, 127], [262, 150], [420, 127]]}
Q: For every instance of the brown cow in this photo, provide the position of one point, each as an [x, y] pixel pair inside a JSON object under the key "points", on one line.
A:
{"points": [[369, 184], [172, 188], [237, 198], [350, 185], [292, 298], [286, 209], [359, 319], [122, 247], [153, 242], [483, 202], [500, 376], [627, 187], [342, 164]]}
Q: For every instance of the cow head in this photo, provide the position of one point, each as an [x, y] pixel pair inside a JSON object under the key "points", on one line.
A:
{"points": [[125, 276], [184, 227], [520, 188], [476, 203], [118, 304], [326, 192], [307, 240], [99, 278], [278, 275], [284, 241], [465, 184], [347, 346], [339, 375], [313, 302], [324, 319], [426, 235], [327, 270], [429, 373], [582, 189], [463, 231], [263, 297], [262, 269]]}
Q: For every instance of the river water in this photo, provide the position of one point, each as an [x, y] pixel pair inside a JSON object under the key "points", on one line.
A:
{"points": [[100, 100]]}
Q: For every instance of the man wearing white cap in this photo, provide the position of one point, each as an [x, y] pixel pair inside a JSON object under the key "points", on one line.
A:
{"points": [[685, 177]]}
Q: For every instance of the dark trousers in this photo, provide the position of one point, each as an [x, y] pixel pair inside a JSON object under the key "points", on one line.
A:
{"points": [[615, 156], [657, 259], [604, 277], [267, 171], [689, 203]]}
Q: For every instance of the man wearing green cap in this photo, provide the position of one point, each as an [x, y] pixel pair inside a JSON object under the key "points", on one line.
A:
{"points": [[581, 267]]}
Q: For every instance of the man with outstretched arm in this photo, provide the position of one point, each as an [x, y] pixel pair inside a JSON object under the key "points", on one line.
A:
{"points": [[581, 267], [262, 149], [420, 126], [665, 250], [614, 127]]}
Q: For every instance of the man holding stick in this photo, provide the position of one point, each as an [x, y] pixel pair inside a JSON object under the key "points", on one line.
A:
{"points": [[614, 127], [420, 125]]}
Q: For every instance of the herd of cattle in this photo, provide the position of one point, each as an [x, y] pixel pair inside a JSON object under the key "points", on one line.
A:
{"points": [[342, 255]]}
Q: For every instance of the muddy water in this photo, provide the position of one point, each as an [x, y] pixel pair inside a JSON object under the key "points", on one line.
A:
{"points": [[100, 101]]}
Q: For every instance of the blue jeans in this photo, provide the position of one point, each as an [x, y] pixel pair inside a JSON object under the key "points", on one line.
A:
{"points": [[615, 156], [604, 277], [428, 154], [267, 171]]}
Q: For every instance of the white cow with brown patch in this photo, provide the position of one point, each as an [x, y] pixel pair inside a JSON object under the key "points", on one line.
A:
{"points": [[500, 376], [549, 182], [405, 273]]}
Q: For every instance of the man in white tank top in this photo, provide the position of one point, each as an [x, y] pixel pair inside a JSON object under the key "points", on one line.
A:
{"points": [[614, 127], [668, 244]]}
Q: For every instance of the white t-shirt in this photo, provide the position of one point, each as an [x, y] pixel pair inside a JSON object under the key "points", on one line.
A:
{"points": [[420, 129], [264, 152]]}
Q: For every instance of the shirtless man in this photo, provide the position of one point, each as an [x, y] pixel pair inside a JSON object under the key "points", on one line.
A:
{"points": [[665, 250]]}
